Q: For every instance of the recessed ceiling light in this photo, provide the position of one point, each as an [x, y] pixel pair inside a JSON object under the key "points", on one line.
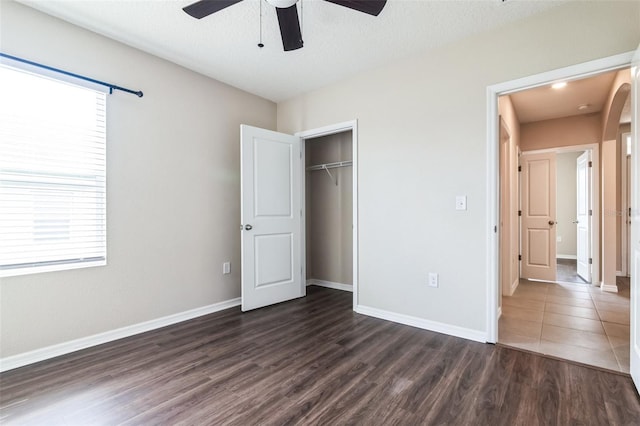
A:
{"points": [[559, 85]]}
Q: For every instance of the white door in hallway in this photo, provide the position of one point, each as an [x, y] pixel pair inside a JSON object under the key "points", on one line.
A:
{"points": [[635, 220], [583, 218], [271, 219], [538, 206]]}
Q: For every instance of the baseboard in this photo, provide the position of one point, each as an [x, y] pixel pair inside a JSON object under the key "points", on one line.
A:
{"points": [[330, 284], [31, 357], [438, 327], [620, 274], [566, 256], [514, 286], [611, 288]]}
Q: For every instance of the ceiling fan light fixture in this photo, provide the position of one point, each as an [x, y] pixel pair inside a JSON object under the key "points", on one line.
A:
{"points": [[583, 107], [287, 14], [282, 4]]}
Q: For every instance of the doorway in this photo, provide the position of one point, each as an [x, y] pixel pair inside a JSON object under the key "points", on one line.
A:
{"points": [[573, 239], [583, 305], [558, 191], [329, 211], [332, 150]]}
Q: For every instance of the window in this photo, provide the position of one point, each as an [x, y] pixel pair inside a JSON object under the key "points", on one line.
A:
{"points": [[52, 174]]}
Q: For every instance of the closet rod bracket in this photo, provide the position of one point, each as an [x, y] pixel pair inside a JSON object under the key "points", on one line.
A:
{"points": [[330, 175]]}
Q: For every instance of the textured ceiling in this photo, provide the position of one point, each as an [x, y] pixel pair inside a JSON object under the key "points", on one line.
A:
{"points": [[339, 42], [544, 103]]}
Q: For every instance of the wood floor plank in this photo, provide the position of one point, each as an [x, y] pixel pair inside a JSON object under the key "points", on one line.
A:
{"points": [[309, 361]]}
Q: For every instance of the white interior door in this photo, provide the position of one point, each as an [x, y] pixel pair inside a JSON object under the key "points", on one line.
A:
{"points": [[627, 219], [271, 217], [635, 218], [583, 219], [538, 204]]}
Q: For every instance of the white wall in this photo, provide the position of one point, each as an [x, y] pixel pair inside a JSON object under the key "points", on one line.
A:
{"points": [[173, 191], [421, 130]]}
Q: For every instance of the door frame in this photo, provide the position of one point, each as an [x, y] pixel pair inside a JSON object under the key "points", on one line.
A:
{"points": [[332, 129], [595, 204], [506, 251], [572, 72]]}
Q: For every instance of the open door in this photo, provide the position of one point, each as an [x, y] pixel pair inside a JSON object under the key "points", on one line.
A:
{"points": [[538, 203], [583, 218], [271, 219], [635, 220]]}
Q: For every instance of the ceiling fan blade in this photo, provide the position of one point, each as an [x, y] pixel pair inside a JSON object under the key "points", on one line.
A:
{"points": [[289, 27], [372, 7], [204, 8]]}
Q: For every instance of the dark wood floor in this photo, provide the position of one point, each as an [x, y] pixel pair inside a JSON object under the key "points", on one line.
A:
{"points": [[310, 361], [567, 271]]}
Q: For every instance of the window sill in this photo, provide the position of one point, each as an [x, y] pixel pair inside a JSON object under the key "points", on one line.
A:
{"points": [[50, 268]]}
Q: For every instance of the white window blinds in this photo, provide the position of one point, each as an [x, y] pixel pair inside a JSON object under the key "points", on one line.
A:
{"points": [[52, 174]]}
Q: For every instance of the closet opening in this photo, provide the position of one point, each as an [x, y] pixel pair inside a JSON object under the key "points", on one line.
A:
{"points": [[329, 220]]}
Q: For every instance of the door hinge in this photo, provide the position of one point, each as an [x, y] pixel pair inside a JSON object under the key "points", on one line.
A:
{"points": [[519, 168], [590, 163], [519, 257], [590, 212], [519, 212], [300, 154], [590, 261], [495, 228]]}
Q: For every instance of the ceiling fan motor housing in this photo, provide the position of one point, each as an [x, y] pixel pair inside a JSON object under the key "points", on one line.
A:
{"points": [[283, 4]]}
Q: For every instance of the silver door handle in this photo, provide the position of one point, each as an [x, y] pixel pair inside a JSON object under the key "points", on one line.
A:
{"points": [[248, 227], [576, 221]]}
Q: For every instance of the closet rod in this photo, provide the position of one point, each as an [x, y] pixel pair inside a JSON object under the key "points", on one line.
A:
{"points": [[330, 165]]}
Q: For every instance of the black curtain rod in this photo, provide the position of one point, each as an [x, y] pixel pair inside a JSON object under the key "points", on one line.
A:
{"points": [[111, 87]]}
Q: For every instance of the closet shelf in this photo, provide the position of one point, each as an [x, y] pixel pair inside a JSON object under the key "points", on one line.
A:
{"points": [[328, 166]]}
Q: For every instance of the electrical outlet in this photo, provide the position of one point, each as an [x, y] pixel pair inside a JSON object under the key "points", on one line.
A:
{"points": [[226, 268], [433, 279]]}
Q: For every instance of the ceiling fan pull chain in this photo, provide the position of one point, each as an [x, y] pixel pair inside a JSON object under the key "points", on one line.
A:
{"points": [[260, 45]]}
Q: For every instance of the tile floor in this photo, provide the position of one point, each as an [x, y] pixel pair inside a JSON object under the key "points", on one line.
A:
{"points": [[571, 321]]}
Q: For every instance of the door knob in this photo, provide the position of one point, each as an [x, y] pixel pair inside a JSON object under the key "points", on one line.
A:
{"points": [[551, 222], [248, 227]]}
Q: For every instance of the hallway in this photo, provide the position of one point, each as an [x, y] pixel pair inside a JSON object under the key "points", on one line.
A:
{"points": [[570, 321]]}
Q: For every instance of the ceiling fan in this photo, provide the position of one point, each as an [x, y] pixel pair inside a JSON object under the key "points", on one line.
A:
{"points": [[287, 14]]}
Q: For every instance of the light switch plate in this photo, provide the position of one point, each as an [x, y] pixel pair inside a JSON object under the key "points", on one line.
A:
{"points": [[461, 202], [433, 279]]}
